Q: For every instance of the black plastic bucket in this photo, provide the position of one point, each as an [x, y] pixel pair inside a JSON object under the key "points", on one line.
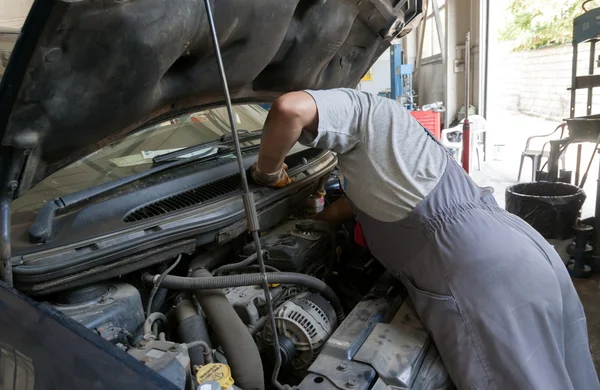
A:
{"points": [[551, 208]]}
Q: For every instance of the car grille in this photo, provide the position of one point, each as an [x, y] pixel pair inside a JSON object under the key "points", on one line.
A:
{"points": [[222, 187], [195, 196]]}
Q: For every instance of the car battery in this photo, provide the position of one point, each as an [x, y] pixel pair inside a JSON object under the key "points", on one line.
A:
{"points": [[296, 245]]}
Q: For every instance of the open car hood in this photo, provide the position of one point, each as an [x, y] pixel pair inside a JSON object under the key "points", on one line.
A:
{"points": [[85, 73]]}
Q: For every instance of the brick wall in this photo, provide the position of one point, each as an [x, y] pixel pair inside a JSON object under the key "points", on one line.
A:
{"points": [[536, 82]]}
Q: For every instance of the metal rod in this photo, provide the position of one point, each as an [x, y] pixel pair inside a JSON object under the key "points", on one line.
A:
{"points": [[440, 31], [249, 206], [573, 81], [7, 162], [596, 214], [466, 155], [592, 66], [5, 249], [585, 175], [467, 74], [485, 27], [578, 166], [421, 38]]}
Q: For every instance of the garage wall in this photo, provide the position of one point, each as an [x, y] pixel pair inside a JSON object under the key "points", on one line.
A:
{"points": [[381, 75], [14, 12], [535, 82], [430, 81]]}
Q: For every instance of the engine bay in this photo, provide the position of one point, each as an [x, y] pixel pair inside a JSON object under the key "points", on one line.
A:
{"points": [[200, 320]]}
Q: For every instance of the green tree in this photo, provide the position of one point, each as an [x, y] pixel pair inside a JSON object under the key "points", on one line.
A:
{"points": [[534, 24]]}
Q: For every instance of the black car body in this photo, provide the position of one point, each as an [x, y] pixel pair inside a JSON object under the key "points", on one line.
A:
{"points": [[88, 206]]}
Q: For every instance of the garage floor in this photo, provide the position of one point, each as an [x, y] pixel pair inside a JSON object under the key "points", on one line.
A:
{"points": [[589, 293]]}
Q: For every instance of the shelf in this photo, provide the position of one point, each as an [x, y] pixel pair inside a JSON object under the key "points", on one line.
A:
{"points": [[589, 81]]}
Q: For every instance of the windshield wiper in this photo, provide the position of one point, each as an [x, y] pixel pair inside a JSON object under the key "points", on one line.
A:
{"points": [[224, 140], [41, 228]]}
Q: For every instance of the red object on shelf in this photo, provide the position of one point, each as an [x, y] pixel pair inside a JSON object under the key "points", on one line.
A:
{"points": [[431, 120]]}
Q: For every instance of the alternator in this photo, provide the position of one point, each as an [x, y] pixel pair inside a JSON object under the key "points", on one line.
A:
{"points": [[307, 320]]}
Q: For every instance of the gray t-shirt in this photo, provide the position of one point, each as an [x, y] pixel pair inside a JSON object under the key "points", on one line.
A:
{"points": [[388, 161]]}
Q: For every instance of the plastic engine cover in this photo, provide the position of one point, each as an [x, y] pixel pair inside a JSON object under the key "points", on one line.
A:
{"points": [[381, 345], [291, 249], [114, 311]]}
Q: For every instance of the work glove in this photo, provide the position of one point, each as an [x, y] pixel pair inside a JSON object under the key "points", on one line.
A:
{"points": [[276, 179]]}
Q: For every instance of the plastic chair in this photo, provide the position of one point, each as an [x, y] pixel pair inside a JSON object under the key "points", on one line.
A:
{"points": [[452, 137], [537, 155]]}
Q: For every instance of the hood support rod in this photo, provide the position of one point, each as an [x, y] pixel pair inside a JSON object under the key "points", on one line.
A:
{"points": [[248, 198], [5, 252], [9, 160]]}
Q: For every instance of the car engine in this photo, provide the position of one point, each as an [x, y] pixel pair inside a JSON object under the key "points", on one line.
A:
{"points": [[342, 321]]}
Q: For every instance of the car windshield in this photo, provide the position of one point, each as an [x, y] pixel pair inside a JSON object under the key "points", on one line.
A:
{"points": [[134, 153]]}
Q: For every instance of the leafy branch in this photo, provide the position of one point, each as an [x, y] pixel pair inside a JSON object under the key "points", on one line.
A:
{"points": [[541, 23]]}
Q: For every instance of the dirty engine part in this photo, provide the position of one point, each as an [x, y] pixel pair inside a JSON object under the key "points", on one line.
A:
{"points": [[114, 311], [306, 321], [171, 360]]}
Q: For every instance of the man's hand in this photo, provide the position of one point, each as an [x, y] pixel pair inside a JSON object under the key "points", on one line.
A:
{"points": [[275, 179]]}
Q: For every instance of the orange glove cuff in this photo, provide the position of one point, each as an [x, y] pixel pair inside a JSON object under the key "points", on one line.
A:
{"points": [[276, 179]]}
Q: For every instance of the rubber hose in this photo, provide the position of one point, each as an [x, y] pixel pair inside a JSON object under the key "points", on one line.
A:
{"points": [[159, 299], [211, 259], [203, 283], [233, 336], [152, 318], [258, 325], [254, 267], [207, 351], [232, 267], [192, 328]]}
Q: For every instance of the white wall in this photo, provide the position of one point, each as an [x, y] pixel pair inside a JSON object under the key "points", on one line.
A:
{"points": [[535, 82], [13, 12], [381, 76]]}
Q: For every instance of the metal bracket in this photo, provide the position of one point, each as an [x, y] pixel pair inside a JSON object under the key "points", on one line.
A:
{"points": [[440, 33], [393, 15]]}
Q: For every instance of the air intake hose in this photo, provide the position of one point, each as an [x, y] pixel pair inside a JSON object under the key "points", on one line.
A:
{"points": [[233, 336], [192, 327], [209, 282]]}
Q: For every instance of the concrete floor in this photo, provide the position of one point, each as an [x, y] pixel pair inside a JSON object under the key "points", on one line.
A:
{"points": [[511, 130], [589, 293], [500, 171]]}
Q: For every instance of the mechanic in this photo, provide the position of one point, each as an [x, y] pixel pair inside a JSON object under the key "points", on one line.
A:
{"points": [[495, 296]]}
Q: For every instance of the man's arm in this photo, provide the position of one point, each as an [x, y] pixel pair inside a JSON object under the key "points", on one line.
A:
{"points": [[337, 213], [289, 115], [328, 120]]}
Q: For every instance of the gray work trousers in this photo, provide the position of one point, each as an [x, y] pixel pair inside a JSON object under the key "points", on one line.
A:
{"points": [[495, 296]]}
